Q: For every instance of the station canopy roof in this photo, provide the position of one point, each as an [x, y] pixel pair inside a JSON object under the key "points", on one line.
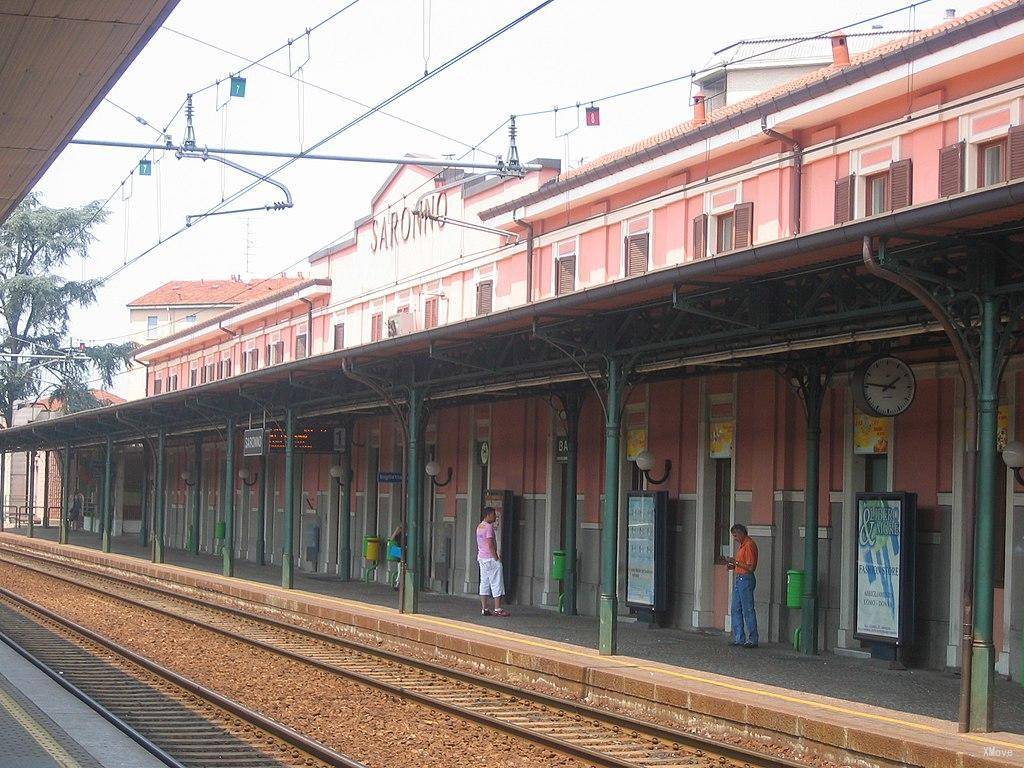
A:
{"points": [[58, 59], [362, 379]]}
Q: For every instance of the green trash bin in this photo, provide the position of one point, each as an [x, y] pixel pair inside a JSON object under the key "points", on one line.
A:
{"points": [[221, 530], [794, 589], [558, 565]]}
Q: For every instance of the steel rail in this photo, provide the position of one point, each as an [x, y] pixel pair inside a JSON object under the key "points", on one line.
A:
{"points": [[692, 741], [252, 717]]}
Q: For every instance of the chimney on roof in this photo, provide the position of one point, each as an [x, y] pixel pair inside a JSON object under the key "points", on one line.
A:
{"points": [[840, 50], [951, 13], [700, 114]]}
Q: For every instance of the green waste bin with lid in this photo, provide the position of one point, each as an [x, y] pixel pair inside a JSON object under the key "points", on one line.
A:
{"points": [[558, 565], [794, 589], [221, 530]]}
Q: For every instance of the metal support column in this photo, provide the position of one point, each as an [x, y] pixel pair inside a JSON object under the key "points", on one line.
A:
{"points": [[609, 604], [813, 390], [345, 508], [288, 533], [3, 490], [46, 489], [108, 495], [983, 656], [30, 492], [228, 548], [261, 513], [413, 504], [572, 404], [197, 495], [158, 498], [65, 495], [145, 506]]}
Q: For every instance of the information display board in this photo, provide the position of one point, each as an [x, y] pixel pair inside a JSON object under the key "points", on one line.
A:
{"points": [[884, 576], [646, 541], [306, 440]]}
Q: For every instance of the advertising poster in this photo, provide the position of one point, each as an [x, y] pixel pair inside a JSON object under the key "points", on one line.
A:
{"points": [[884, 575], [636, 442], [1002, 427], [870, 434], [640, 554], [721, 439]]}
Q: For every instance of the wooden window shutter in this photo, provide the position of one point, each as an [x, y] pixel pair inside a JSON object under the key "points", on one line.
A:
{"points": [[743, 236], [700, 236], [430, 313], [951, 169], [844, 199], [637, 250], [1015, 152], [157, 386], [339, 336], [901, 180], [484, 297], [377, 327], [565, 279]]}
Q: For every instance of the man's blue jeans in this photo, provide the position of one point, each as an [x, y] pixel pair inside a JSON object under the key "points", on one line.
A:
{"points": [[743, 609]]}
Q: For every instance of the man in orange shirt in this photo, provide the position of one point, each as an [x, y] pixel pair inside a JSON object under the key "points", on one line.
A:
{"points": [[744, 620]]}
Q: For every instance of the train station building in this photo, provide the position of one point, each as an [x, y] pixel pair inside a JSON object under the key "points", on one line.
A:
{"points": [[793, 305]]}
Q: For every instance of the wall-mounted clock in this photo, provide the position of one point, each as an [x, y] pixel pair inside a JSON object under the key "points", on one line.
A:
{"points": [[884, 386]]}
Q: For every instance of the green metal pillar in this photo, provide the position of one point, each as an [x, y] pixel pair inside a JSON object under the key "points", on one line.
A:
{"points": [[3, 490], [261, 512], [572, 424], [144, 506], [983, 653], [228, 548], [413, 505], [288, 533], [608, 607], [345, 508], [46, 489], [30, 493], [197, 495], [158, 498], [813, 394], [108, 495], [65, 495]]}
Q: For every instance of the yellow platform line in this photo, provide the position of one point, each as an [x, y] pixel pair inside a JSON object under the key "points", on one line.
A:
{"points": [[39, 734], [616, 661]]}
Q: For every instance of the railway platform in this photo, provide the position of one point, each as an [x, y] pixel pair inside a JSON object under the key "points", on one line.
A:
{"points": [[833, 707], [44, 726]]}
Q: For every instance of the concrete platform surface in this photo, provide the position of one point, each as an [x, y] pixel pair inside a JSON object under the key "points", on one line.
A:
{"points": [[44, 726], [831, 705]]}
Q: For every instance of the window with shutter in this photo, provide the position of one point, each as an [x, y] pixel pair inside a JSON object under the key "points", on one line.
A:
{"points": [[202, 376], [254, 359], [901, 183], [565, 275], [377, 326], [210, 370], [193, 377], [484, 297], [951, 169], [637, 253], [430, 312], [278, 352], [1015, 161], [173, 383], [339, 336], [844, 199], [227, 367], [220, 369], [743, 236], [301, 346], [158, 386], [700, 236]]}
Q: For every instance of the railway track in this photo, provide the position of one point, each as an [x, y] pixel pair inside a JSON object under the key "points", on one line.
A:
{"points": [[180, 723], [591, 734]]}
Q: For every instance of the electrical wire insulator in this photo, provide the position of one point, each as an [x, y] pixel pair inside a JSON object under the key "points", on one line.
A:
{"points": [[513, 166], [190, 133]]}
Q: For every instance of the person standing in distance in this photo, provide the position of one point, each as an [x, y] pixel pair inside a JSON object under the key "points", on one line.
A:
{"points": [[491, 583], [743, 585]]}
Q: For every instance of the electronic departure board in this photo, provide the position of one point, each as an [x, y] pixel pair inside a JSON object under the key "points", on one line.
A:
{"points": [[307, 440]]}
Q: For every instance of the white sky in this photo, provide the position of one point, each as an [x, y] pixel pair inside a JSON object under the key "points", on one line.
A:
{"points": [[572, 51]]}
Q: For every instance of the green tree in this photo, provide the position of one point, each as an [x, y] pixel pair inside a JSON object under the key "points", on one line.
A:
{"points": [[36, 358]]}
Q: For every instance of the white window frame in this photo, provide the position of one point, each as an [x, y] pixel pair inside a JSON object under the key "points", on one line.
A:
{"points": [[973, 140], [490, 276], [152, 324], [556, 255], [861, 171], [714, 212], [624, 233]]}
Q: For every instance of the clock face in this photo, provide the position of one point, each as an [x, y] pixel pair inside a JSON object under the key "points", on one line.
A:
{"points": [[887, 386]]}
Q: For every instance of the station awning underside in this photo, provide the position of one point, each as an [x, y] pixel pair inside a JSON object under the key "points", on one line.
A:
{"points": [[57, 62], [766, 305]]}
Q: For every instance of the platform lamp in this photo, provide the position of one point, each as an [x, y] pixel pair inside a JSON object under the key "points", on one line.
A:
{"points": [[1013, 458], [337, 472], [645, 463], [248, 478], [433, 469], [187, 478]]}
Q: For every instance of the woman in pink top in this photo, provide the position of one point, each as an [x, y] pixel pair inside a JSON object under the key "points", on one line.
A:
{"points": [[491, 583]]}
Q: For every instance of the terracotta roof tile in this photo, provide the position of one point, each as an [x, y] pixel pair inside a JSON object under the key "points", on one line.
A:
{"points": [[229, 291]]}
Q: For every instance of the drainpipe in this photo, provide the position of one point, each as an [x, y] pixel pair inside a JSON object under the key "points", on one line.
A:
{"points": [[309, 325], [798, 166], [970, 467], [529, 256]]}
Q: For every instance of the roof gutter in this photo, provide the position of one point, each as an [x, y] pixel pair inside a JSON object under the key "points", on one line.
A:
{"points": [[529, 255]]}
